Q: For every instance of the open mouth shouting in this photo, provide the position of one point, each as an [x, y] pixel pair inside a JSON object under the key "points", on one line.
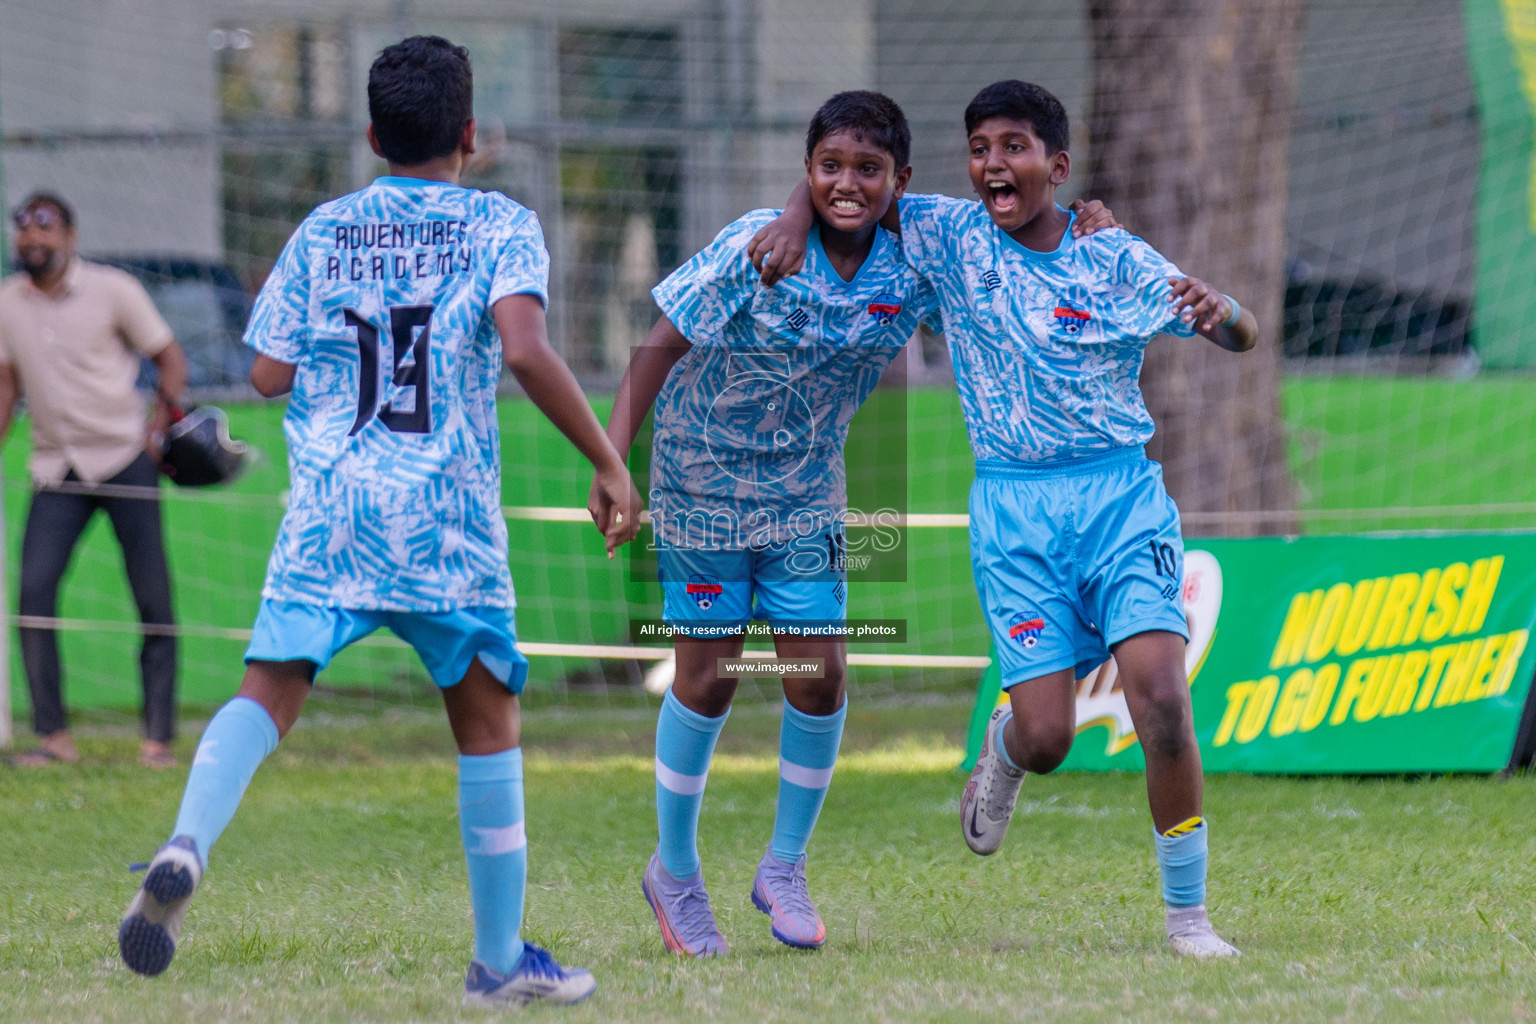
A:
{"points": [[1001, 196]]}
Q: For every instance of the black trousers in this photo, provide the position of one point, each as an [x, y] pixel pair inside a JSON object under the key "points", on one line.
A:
{"points": [[55, 522]]}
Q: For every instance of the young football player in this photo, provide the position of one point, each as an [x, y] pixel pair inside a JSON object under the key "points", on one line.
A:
{"points": [[754, 389], [389, 316], [1076, 545]]}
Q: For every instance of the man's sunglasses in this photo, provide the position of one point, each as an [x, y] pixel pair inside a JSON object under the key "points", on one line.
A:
{"points": [[42, 216]]}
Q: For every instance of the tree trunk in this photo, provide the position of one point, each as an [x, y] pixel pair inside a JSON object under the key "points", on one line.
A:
{"points": [[1189, 138]]}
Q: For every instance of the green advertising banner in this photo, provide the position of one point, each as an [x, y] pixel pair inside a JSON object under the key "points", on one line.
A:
{"points": [[1324, 655], [1501, 43]]}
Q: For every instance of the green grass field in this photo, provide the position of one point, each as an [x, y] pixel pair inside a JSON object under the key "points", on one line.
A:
{"points": [[339, 892]]}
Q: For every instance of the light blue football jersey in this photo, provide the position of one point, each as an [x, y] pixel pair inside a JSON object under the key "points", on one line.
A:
{"points": [[382, 300], [750, 425], [1047, 347]]}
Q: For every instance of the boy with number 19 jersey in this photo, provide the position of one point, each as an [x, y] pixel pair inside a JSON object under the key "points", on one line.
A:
{"points": [[380, 299], [389, 315]]}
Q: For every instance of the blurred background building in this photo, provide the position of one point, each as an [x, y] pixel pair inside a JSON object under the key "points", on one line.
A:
{"points": [[205, 130]]}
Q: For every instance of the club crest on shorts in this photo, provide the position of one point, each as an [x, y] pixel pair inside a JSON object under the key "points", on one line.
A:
{"points": [[705, 590], [885, 308], [1071, 320], [1025, 630]]}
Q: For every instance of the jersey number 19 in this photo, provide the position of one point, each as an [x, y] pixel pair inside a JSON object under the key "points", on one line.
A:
{"points": [[415, 374]]}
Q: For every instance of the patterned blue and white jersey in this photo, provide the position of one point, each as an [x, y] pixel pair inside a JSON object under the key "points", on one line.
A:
{"points": [[382, 300], [1047, 346], [751, 423]]}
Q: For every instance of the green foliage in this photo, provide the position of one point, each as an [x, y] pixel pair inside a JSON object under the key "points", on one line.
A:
{"points": [[339, 892]]}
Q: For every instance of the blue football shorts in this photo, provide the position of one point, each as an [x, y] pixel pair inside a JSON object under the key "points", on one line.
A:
{"points": [[447, 642], [1071, 558], [715, 592]]}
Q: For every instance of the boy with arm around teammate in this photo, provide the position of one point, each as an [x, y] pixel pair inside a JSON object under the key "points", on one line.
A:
{"points": [[1076, 546], [754, 389]]}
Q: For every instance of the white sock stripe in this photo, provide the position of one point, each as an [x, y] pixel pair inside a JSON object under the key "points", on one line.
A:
{"points": [[677, 782], [495, 842], [805, 778]]}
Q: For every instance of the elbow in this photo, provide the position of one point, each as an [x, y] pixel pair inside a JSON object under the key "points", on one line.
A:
{"points": [[1244, 335], [524, 356], [517, 363], [269, 384]]}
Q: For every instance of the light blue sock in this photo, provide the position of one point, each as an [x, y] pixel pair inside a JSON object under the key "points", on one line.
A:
{"points": [[807, 751], [236, 741], [1182, 855], [1000, 746], [496, 847], [685, 742]]}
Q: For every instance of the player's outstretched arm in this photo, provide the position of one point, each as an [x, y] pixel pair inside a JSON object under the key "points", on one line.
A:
{"points": [[643, 380], [549, 382], [778, 248], [271, 378], [1213, 315]]}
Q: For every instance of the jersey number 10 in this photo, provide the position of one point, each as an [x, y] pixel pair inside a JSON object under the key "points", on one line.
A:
{"points": [[417, 374]]}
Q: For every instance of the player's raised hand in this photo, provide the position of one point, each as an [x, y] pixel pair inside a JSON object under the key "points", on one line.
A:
{"points": [[615, 506], [1198, 304], [1092, 216]]}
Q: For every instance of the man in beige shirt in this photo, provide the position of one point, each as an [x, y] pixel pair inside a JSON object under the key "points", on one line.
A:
{"points": [[71, 337]]}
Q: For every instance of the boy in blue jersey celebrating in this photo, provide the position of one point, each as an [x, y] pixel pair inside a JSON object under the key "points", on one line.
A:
{"points": [[389, 316], [754, 390], [1075, 543]]}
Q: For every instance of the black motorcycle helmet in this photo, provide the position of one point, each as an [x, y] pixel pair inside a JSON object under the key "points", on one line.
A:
{"points": [[199, 451]]}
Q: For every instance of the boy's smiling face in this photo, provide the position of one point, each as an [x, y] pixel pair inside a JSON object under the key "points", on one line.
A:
{"points": [[853, 181], [1013, 172]]}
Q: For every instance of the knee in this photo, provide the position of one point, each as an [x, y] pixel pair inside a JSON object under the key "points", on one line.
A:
{"points": [[700, 689], [1167, 727], [828, 696], [817, 703], [1045, 743]]}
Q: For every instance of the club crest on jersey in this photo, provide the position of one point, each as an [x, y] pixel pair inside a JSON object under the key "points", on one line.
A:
{"points": [[797, 320], [705, 590], [1025, 630], [1071, 320], [885, 308]]}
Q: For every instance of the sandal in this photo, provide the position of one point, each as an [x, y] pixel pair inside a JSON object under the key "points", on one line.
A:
{"points": [[41, 757], [158, 759]]}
